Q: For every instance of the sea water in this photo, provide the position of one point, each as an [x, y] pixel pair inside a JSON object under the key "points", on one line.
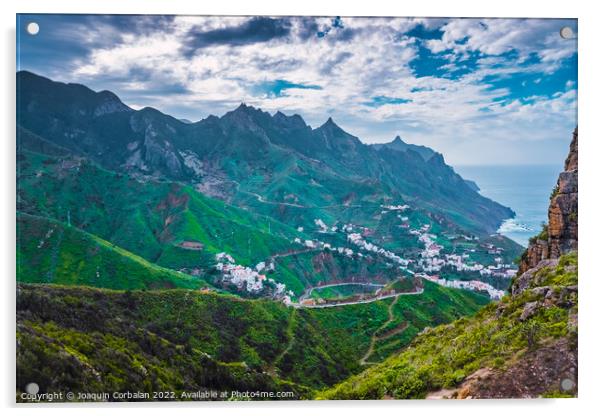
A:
{"points": [[525, 189]]}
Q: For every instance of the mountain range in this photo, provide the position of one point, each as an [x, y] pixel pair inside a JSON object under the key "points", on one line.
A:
{"points": [[248, 151]]}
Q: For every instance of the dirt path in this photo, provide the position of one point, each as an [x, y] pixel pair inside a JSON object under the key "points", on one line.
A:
{"points": [[388, 334], [293, 253], [290, 330]]}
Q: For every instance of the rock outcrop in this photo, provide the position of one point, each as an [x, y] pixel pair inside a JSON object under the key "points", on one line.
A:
{"points": [[532, 376], [560, 234], [562, 214]]}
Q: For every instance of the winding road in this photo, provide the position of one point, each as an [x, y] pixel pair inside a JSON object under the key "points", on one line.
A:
{"points": [[262, 199], [307, 292], [357, 302]]}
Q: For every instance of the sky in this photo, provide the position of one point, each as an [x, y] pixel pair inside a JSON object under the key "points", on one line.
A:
{"points": [[480, 91]]}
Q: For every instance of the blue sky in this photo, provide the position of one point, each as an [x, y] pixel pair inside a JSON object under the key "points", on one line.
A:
{"points": [[481, 91]]}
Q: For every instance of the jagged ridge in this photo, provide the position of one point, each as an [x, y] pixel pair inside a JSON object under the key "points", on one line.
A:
{"points": [[221, 155]]}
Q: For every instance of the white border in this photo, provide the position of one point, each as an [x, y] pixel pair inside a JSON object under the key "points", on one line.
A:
{"points": [[590, 128]]}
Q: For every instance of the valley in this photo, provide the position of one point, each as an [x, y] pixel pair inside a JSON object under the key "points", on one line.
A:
{"points": [[251, 248]]}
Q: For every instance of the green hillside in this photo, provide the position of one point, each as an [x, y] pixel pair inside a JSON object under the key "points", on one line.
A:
{"points": [[502, 337], [147, 218], [155, 220], [163, 330], [52, 252]]}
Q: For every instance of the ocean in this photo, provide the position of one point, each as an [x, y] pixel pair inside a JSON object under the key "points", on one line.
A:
{"points": [[525, 189]]}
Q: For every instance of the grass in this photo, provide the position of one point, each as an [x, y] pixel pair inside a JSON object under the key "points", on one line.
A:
{"points": [[444, 356], [52, 252], [337, 292], [310, 348], [146, 218]]}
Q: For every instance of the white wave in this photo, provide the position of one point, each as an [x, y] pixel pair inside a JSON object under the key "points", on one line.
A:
{"points": [[512, 225]]}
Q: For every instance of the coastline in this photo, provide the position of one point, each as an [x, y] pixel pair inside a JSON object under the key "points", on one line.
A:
{"points": [[523, 188]]}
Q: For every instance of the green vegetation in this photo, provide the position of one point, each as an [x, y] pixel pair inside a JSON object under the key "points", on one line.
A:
{"points": [[160, 221], [412, 313], [315, 267], [52, 252], [155, 221], [307, 348], [60, 359], [81, 338], [149, 219], [565, 274], [543, 234], [402, 285], [437, 305], [111, 200], [498, 335]]}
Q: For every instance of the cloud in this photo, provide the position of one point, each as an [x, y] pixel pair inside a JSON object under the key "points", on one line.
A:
{"points": [[499, 36], [443, 82], [254, 30]]}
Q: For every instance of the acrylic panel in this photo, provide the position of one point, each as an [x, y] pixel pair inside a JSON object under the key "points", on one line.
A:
{"points": [[295, 208]]}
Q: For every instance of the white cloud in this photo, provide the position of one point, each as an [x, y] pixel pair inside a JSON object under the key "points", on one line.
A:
{"points": [[498, 36], [368, 58]]}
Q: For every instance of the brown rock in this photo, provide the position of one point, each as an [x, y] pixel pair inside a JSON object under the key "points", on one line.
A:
{"points": [[524, 280], [529, 310], [562, 230], [552, 368], [464, 392], [571, 160]]}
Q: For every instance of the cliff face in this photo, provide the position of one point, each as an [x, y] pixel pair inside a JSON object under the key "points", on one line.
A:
{"points": [[563, 207], [560, 236]]}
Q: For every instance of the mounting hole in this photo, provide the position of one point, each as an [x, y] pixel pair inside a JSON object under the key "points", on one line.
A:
{"points": [[567, 33], [567, 384], [32, 388], [33, 28]]}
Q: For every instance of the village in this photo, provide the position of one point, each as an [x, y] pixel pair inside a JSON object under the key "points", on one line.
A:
{"points": [[430, 263], [252, 280]]}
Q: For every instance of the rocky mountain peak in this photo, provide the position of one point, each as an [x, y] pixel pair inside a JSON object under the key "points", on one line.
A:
{"points": [[109, 103], [332, 129], [398, 144], [241, 115], [242, 111], [330, 124], [294, 121], [562, 214], [570, 163]]}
